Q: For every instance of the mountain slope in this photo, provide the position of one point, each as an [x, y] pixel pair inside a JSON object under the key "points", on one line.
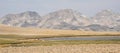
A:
{"points": [[25, 19], [64, 19], [106, 20]]}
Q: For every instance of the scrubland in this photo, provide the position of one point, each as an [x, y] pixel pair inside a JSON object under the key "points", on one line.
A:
{"points": [[27, 40], [48, 32], [82, 48], [42, 46]]}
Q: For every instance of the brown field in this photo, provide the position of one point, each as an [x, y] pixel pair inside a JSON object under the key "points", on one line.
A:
{"points": [[82, 48], [27, 43], [49, 32]]}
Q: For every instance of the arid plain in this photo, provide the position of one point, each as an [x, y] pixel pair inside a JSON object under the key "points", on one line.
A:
{"points": [[27, 40]]}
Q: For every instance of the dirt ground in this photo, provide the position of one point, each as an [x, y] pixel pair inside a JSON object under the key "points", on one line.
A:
{"points": [[82, 48]]}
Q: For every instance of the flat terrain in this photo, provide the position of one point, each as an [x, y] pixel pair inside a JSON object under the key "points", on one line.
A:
{"points": [[82, 48], [31, 40], [34, 42], [49, 32]]}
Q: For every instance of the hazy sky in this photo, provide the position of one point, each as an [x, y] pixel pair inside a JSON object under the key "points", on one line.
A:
{"points": [[87, 7]]}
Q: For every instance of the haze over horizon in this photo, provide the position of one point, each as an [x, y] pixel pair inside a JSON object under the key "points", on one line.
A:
{"points": [[87, 7]]}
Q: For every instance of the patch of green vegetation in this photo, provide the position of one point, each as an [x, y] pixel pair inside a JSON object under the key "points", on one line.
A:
{"points": [[17, 40], [13, 36], [70, 42], [10, 42], [52, 36], [3, 41]]}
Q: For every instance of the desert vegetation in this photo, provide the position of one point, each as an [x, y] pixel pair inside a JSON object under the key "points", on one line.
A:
{"points": [[29, 41], [18, 41], [82, 48], [5, 30]]}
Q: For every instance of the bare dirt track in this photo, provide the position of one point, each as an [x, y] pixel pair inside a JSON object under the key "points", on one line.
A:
{"points": [[82, 48]]}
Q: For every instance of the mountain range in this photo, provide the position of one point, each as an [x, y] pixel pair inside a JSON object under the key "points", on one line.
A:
{"points": [[66, 19]]}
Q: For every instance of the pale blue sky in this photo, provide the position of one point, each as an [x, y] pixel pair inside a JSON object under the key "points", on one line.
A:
{"points": [[87, 7]]}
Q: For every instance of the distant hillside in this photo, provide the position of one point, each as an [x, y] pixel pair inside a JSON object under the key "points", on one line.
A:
{"points": [[67, 19]]}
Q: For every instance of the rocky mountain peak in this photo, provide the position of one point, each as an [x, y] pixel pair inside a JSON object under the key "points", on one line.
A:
{"points": [[106, 12], [64, 12], [24, 19], [29, 13], [105, 20], [66, 18]]}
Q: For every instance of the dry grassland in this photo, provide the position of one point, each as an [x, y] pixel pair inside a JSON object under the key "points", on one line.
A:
{"points": [[49, 32], [11, 38], [82, 48]]}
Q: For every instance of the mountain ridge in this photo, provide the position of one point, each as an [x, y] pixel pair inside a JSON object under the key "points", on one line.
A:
{"points": [[68, 19]]}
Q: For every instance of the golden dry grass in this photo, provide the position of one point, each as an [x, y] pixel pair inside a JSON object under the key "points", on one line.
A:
{"points": [[49, 32], [83, 48], [80, 48]]}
